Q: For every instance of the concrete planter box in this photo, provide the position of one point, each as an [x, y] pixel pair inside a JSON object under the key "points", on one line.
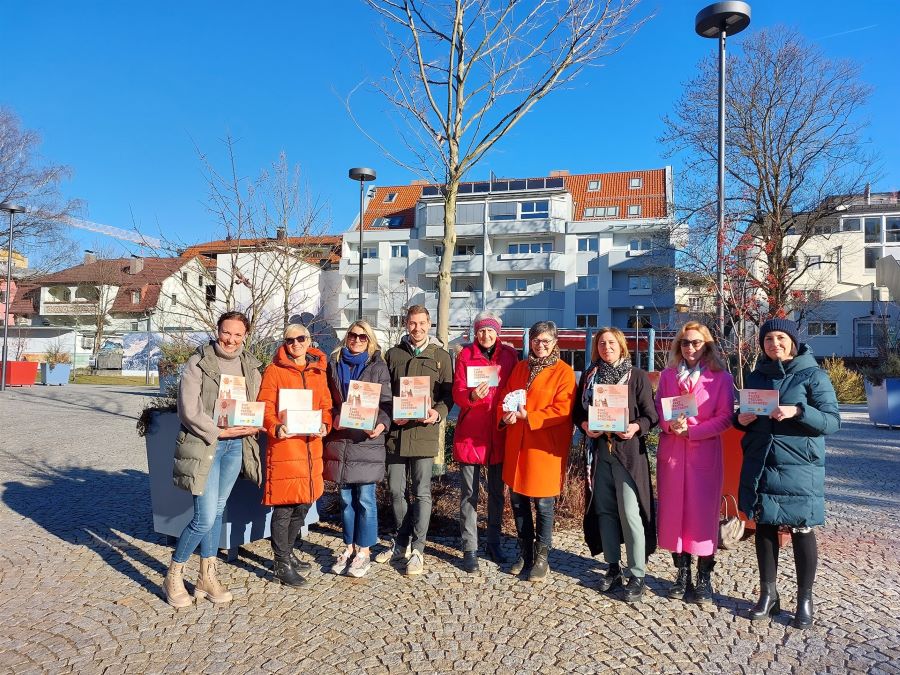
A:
{"points": [[884, 402], [21, 373], [58, 374], [245, 518]]}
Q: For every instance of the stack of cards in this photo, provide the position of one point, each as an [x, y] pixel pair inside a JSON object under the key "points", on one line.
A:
{"points": [[296, 414], [232, 408], [759, 401], [609, 411], [361, 408], [674, 407], [513, 400], [414, 400]]}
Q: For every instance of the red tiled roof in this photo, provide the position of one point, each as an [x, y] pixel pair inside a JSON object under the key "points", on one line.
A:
{"points": [[212, 248], [614, 191], [115, 272], [24, 299]]}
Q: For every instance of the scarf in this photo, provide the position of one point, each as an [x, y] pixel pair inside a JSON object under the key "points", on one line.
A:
{"points": [[536, 365], [489, 352], [350, 366], [605, 373], [687, 377]]}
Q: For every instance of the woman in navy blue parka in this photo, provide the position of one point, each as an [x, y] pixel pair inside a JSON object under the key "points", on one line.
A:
{"points": [[783, 474]]}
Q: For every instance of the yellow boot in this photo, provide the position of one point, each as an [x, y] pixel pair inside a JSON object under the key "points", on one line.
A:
{"points": [[208, 585]]}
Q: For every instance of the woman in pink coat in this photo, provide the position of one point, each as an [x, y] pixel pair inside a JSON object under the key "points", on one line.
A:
{"points": [[478, 441], [689, 465]]}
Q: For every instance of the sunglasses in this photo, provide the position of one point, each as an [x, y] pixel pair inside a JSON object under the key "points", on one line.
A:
{"points": [[696, 344], [299, 339], [362, 337]]}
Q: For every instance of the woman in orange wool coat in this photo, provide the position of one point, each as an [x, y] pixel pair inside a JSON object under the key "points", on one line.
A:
{"points": [[538, 437], [293, 462]]}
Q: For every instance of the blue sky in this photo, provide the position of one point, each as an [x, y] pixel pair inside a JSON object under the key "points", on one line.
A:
{"points": [[125, 93]]}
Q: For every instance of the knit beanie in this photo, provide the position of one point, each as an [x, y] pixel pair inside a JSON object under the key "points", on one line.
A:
{"points": [[784, 325], [488, 322]]}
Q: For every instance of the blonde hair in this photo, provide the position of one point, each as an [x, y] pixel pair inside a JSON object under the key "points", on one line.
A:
{"points": [[711, 357], [372, 345], [616, 333], [297, 328]]}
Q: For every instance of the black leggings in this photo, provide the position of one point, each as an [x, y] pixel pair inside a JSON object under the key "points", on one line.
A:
{"points": [[806, 556]]}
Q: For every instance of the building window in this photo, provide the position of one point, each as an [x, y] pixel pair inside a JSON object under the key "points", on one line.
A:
{"points": [[850, 225], [539, 209], [548, 283], [824, 229], [635, 183], [465, 249], [184, 277], [439, 250], [516, 285], [602, 212], [634, 209], [393, 221], [892, 229], [865, 335], [3, 296], [791, 262], [695, 303], [873, 255], [822, 328], [640, 244], [174, 299], [135, 326], [585, 320], [370, 286], [873, 230], [397, 320], [502, 211], [587, 243], [369, 252], [593, 185], [400, 251], [464, 286], [532, 247], [638, 282], [200, 281], [587, 283], [390, 198], [814, 262], [135, 297]]}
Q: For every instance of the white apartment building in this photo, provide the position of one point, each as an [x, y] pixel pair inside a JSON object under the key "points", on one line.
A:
{"points": [[581, 250]]}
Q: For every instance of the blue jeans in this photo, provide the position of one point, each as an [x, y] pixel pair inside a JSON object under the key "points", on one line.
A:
{"points": [[360, 514], [205, 527]]}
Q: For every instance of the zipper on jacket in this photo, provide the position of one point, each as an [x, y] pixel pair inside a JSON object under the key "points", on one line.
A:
{"points": [[308, 451]]}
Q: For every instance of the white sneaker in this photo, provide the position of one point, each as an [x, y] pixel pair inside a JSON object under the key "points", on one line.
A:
{"points": [[343, 562], [359, 566], [415, 564], [394, 554]]}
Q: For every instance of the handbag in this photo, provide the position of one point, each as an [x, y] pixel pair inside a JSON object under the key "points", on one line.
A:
{"points": [[731, 528]]}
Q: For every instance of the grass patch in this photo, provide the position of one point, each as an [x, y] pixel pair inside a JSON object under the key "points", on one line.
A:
{"points": [[123, 380]]}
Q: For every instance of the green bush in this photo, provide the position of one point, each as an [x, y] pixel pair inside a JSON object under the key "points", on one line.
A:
{"points": [[848, 384], [889, 366]]}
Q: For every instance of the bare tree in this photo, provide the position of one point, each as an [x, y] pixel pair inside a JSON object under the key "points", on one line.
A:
{"points": [[394, 303], [794, 157], [466, 71], [26, 181]]}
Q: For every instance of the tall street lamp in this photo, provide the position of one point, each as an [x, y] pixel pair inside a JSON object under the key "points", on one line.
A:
{"points": [[718, 21], [362, 174], [11, 209], [637, 335]]}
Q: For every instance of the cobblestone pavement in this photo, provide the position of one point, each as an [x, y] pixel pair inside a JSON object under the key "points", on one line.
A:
{"points": [[80, 575]]}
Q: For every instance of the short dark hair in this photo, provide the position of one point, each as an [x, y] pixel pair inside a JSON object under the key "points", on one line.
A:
{"points": [[417, 309], [542, 327], [233, 316]]}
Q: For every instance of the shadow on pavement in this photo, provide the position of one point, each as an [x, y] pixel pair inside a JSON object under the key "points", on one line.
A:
{"points": [[92, 508]]}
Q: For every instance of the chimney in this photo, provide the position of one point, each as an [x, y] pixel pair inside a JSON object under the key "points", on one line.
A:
{"points": [[89, 257], [281, 233], [559, 172], [136, 264], [868, 194]]}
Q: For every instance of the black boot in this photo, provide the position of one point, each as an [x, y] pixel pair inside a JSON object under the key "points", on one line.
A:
{"points": [[683, 583], [541, 566], [635, 589], [611, 579], [803, 617], [703, 592], [495, 553], [526, 557], [286, 575], [470, 561], [300, 565], [769, 604]]}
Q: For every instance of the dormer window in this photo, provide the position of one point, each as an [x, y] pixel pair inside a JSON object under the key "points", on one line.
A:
{"points": [[135, 297], [390, 198], [634, 209], [593, 185], [635, 183]]}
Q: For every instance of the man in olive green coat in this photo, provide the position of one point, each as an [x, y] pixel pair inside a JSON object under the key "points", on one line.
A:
{"points": [[413, 444]]}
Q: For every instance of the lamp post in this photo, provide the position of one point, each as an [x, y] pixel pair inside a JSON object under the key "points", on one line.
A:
{"points": [[11, 209], [637, 335], [718, 21], [362, 174]]}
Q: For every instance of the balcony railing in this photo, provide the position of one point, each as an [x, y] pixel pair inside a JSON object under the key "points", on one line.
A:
{"points": [[69, 308]]}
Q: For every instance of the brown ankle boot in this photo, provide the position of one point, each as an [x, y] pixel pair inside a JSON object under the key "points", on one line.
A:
{"points": [[208, 585], [173, 586]]}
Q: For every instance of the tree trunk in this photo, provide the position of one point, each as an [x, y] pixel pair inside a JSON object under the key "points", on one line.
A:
{"points": [[444, 275]]}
